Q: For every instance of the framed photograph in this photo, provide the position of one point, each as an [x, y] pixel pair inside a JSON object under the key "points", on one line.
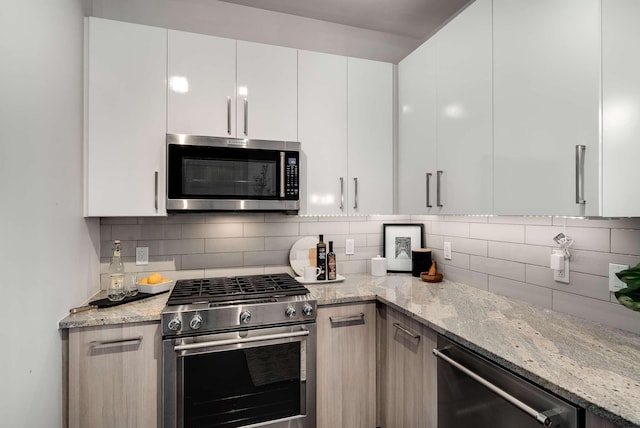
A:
{"points": [[398, 241]]}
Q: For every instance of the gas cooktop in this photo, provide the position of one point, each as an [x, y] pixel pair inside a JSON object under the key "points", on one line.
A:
{"points": [[234, 289], [201, 306]]}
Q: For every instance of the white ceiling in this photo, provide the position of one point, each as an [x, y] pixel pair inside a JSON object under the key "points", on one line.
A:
{"points": [[416, 19]]}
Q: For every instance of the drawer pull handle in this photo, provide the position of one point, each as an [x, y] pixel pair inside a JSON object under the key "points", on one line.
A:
{"points": [[348, 318], [131, 340], [406, 331]]}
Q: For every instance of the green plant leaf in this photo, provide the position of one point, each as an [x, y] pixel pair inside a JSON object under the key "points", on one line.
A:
{"points": [[631, 276], [629, 297]]}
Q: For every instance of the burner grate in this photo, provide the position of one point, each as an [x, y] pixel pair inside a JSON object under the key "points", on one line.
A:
{"points": [[226, 289]]}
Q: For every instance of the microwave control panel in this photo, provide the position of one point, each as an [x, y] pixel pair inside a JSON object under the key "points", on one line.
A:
{"points": [[291, 175]]}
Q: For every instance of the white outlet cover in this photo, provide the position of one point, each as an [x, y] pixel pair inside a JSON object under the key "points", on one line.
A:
{"points": [[142, 256], [447, 250], [349, 246], [614, 283]]}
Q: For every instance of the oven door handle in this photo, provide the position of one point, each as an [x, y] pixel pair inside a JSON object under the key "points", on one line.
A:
{"points": [[225, 342], [539, 416]]}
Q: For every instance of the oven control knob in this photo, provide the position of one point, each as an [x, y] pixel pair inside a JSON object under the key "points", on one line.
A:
{"points": [[174, 324], [245, 317], [307, 309], [195, 322], [290, 312]]}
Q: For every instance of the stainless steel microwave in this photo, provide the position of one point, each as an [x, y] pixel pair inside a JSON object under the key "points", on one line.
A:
{"points": [[232, 174]]}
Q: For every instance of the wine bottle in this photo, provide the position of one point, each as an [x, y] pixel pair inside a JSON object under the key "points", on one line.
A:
{"points": [[331, 263], [321, 259], [116, 290]]}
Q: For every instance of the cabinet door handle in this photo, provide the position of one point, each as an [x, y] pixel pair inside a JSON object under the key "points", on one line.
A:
{"points": [[355, 183], [246, 117], [341, 193], [229, 115], [156, 174], [406, 330], [348, 318], [580, 153], [428, 190], [98, 343], [438, 181]]}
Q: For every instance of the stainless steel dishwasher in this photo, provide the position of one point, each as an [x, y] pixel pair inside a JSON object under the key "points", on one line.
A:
{"points": [[475, 393]]}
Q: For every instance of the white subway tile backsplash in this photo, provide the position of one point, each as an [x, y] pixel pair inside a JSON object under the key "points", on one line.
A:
{"points": [[230, 245], [212, 230], [138, 231], [593, 239], [450, 229], [498, 232], [508, 255], [612, 314], [323, 227], [522, 253], [212, 260], [540, 296], [265, 258], [594, 286], [625, 241], [496, 267], [271, 229]]}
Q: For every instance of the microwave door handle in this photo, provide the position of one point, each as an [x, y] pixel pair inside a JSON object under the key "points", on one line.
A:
{"points": [[282, 166]]}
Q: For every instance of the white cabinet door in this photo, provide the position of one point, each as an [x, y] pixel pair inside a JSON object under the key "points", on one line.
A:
{"points": [[126, 93], [417, 130], [464, 112], [621, 108], [370, 136], [267, 92], [202, 85], [546, 102], [322, 130]]}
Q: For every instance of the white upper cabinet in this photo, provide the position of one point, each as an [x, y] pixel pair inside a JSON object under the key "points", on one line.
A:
{"points": [[370, 136], [546, 106], [322, 131], [201, 92], [125, 120], [464, 113], [621, 107], [267, 82], [417, 130]]}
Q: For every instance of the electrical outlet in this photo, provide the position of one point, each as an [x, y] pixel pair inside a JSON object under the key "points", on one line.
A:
{"points": [[350, 246], [562, 275], [447, 250], [142, 255], [614, 283]]}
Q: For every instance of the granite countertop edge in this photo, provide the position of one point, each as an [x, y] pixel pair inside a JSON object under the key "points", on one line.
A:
{"points": [[474, 318]]}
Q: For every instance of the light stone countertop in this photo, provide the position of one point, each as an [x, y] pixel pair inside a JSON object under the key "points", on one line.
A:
{"points": [[594, 366]]}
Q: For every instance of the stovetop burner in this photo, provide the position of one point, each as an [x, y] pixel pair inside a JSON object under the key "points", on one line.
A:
{"points": [[234, 289]]}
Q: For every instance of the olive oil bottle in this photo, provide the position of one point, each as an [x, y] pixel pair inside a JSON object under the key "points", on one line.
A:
{"points": [[321, 259], [331, 263]]}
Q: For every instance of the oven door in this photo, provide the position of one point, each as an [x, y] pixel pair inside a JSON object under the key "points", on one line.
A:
{"points": [[250, 378]]}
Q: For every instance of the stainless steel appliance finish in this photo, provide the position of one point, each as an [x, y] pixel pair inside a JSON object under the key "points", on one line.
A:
{"points": [[232, 174], [239, 352], [473, 392]]}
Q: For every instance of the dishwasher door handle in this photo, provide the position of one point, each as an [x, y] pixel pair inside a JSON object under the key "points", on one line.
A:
{"points": [[538, 416]]}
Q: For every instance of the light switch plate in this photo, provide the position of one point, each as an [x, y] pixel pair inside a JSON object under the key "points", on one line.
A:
{"points": [[350, 247], [447, 250], [614, 283], [142, 256]]}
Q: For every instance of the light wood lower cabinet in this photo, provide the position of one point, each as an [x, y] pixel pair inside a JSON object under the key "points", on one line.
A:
{"points": [[114, 376], [346, 366], [407, 388]]}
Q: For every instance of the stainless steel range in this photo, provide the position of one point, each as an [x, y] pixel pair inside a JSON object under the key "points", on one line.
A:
{"points": [[239, 352]]}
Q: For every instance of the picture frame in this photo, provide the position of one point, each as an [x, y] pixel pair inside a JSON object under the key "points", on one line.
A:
{"points": [[398, 241]]}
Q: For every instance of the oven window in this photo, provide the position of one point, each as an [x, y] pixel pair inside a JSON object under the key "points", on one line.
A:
{"points": [[225, 177], [243, 386]]}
